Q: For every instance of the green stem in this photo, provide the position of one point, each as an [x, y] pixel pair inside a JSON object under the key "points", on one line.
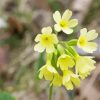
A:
{"points": [[50, 92]]}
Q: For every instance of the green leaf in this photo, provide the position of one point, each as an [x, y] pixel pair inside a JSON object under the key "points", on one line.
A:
{"points": [[6, 96], [72, 42]]}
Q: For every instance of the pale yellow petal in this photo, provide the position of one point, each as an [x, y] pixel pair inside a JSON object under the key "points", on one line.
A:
{"points": [[69, 85], [45, 73], [83, 31], [66, 76], [87, 65], [65, 61], [57, 16], [67, 15], [57, 27], [73, 22], [47, 30], [91, 35], [90, 47], [67, 30], [50, 49], [51, 69], [40, 75], [55, 38], [38, 47], [75, 80], [37, 39], [48, 75], [57, 81], [66, 79]]}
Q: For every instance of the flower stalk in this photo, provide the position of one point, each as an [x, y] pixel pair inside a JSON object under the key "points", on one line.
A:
{"points": [[50, 92]]}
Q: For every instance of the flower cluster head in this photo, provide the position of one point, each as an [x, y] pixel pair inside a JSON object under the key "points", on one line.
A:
{"points": [[64, 66]]}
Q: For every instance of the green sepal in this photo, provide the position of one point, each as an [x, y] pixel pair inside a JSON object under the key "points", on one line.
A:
{"points": [[71, 50], [72, 42], [60, 49]]}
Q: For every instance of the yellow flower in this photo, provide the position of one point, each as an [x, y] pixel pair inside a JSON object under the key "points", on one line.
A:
{"points": [[70, 79], [84, 65], [46, 40], [65, 61], [57, 80], [84, 41], [47, 71], [50, 73], [64, 23]]}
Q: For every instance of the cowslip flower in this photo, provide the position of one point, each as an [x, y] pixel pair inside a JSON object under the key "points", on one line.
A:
{"points": [[84, 65], [46, 40], [84, 41], [65, 61], [57, 80], [47, 71], [50, 73], [64, 23], [70, 79]]}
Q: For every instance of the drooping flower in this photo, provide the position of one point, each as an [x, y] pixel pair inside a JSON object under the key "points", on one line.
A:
{"points": [[57, 80], [50, 73], [47, 71], [70, 79], [84, 65], [46, 40], [84, 41], [64, 23], [65, 61]]}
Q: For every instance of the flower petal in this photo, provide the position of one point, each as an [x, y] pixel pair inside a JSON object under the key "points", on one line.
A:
{"points": [[66, 79], [57, 27], [57, 16], [47, 30], [51, 69], [44, 72], [90, 47], [65, 61], [87, 65], [48, 75], [69, 85], [55, 38], [38, 47], [83, 31], [75, 80], [50, 49], [66, 76], [67, 15], [67, 31], [73, 22], [37, 39], [91, 35], [57, 81], [40, 75]]}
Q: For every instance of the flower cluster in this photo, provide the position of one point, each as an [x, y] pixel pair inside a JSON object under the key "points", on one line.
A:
{"points": [[64, 66]]}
